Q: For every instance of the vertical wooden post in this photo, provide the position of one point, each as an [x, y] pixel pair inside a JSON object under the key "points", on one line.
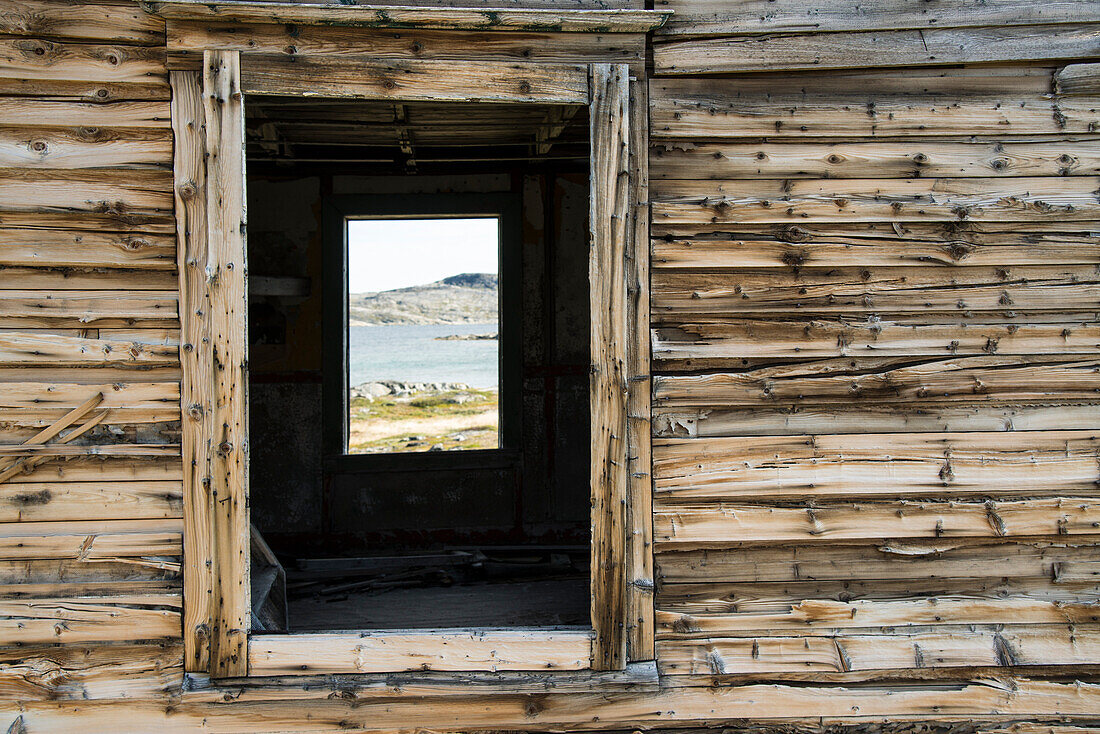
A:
{"points": [[227, 281], [610, 223], [197, 385], [639, 599]]}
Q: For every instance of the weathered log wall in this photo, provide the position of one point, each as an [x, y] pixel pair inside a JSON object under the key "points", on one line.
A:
{"points": [[875, 287], [90, 540], [875, 342]]}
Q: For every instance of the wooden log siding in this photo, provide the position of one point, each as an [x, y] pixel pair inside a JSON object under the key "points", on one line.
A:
{"points": [[871, 456]]}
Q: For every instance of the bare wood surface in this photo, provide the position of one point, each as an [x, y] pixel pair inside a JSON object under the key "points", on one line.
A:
{"points": [[394, 651], [880, 159], [60, 248], [42, 146], [640, 589], [24, 111], [924, 47], [197, 362], [90, 540], [412, 80], [110, 22], [366, 16], [226, 269], [34, 67], [31, 501], [84, 672], [1081, 79], [610, 222], [716, 17], [797, 468], [73, 621], [187, 39]]}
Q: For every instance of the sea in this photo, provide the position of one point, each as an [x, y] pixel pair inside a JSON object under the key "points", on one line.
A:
{"points": [[411, 353]]}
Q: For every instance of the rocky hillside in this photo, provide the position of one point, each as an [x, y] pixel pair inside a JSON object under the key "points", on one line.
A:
{"points": [[469, 298]]}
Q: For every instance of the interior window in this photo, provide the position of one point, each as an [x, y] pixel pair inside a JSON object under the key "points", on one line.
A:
{"points": [[423, 333]]}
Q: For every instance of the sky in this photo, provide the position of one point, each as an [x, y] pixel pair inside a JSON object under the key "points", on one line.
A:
{"points": [[395, 253]]}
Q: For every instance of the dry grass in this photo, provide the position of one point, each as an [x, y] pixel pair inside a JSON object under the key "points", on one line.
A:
{"points": [[420, 422]]}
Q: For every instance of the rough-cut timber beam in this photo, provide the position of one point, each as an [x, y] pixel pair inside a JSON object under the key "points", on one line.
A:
{"points": [[368, 16]]}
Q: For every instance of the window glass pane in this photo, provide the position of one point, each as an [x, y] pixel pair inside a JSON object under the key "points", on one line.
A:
{"points": [[423, 334]]}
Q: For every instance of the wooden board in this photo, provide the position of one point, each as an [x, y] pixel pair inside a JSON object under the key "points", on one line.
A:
{"points": [[74, 620], [690, 109], [413, 80], [33, 67], [1078, 79], [88, 672], [798, 468], [42, 146], [110, 22], [450, 650], [864, 160], [366, 16], [197, 362], [716, 17], [226, 275], [610, 229], [90, 540], [31, 501], [60, 248], [924, 47]]}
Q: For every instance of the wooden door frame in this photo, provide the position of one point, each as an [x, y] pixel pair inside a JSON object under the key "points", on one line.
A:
{"points": [[208, 120]]}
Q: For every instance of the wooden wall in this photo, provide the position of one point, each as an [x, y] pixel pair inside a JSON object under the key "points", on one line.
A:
{"points": [[90, 540], [875, 289], [876, 348]]}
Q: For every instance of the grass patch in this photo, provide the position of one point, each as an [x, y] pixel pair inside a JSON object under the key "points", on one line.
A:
{"points": [[454, 420]]}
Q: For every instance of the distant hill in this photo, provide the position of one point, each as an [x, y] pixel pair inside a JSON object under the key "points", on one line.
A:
{"points": [[468, 298]]}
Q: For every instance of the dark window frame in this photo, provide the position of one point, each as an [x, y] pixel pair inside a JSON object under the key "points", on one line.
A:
{"points": [[337, 209]]}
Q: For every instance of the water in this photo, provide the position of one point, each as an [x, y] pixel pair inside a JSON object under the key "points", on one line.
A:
{"points": [[411, 353]]}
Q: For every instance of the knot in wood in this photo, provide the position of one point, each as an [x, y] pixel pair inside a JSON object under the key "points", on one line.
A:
{"points": [[225, 447], [525, 87]]}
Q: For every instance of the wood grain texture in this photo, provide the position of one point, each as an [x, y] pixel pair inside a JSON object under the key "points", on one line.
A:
{"points": [[924, 47], [120, 23], [689, 109], [610, 220], [863, 160], [56, 248], [396, 651], [226, 274], [90, 540], [75, 620], [715, 17], [34, 67], [798, 468], [640, 589], [36, 501], [48, 147], [187, 39], [413, 80], [366, 16], [197, 362], [88, 672], [1081, 79]]}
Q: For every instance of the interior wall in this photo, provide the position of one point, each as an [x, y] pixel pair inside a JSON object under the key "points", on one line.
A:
{"points": [[543, 497]]}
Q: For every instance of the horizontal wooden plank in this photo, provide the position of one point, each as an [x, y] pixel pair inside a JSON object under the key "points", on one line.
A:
{"points": [[186, 40], [83, 147], [849, 417], [364, 78], [846, 50], [694, 109], [99, 449], [851, 381], [107, 219], [68, 621], [855, 292], [1078, 79], [799, 468], [454, 650], [137, 586], [105, 309], [61, 248], [105, 539], [85, 278], [842, 653], [728, 342], [1066, 559], [779, 601], [87, 672], [103, 469], [24, 112], [875, 244], [1003, 699], [43, 399], [723, 523], [36, 349], [106, 500], [365, 16], [815, 616], [22, 578], [130, 192], [716, 17], [930, 159], [65, 19], [876, 200], [41, 68]]}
